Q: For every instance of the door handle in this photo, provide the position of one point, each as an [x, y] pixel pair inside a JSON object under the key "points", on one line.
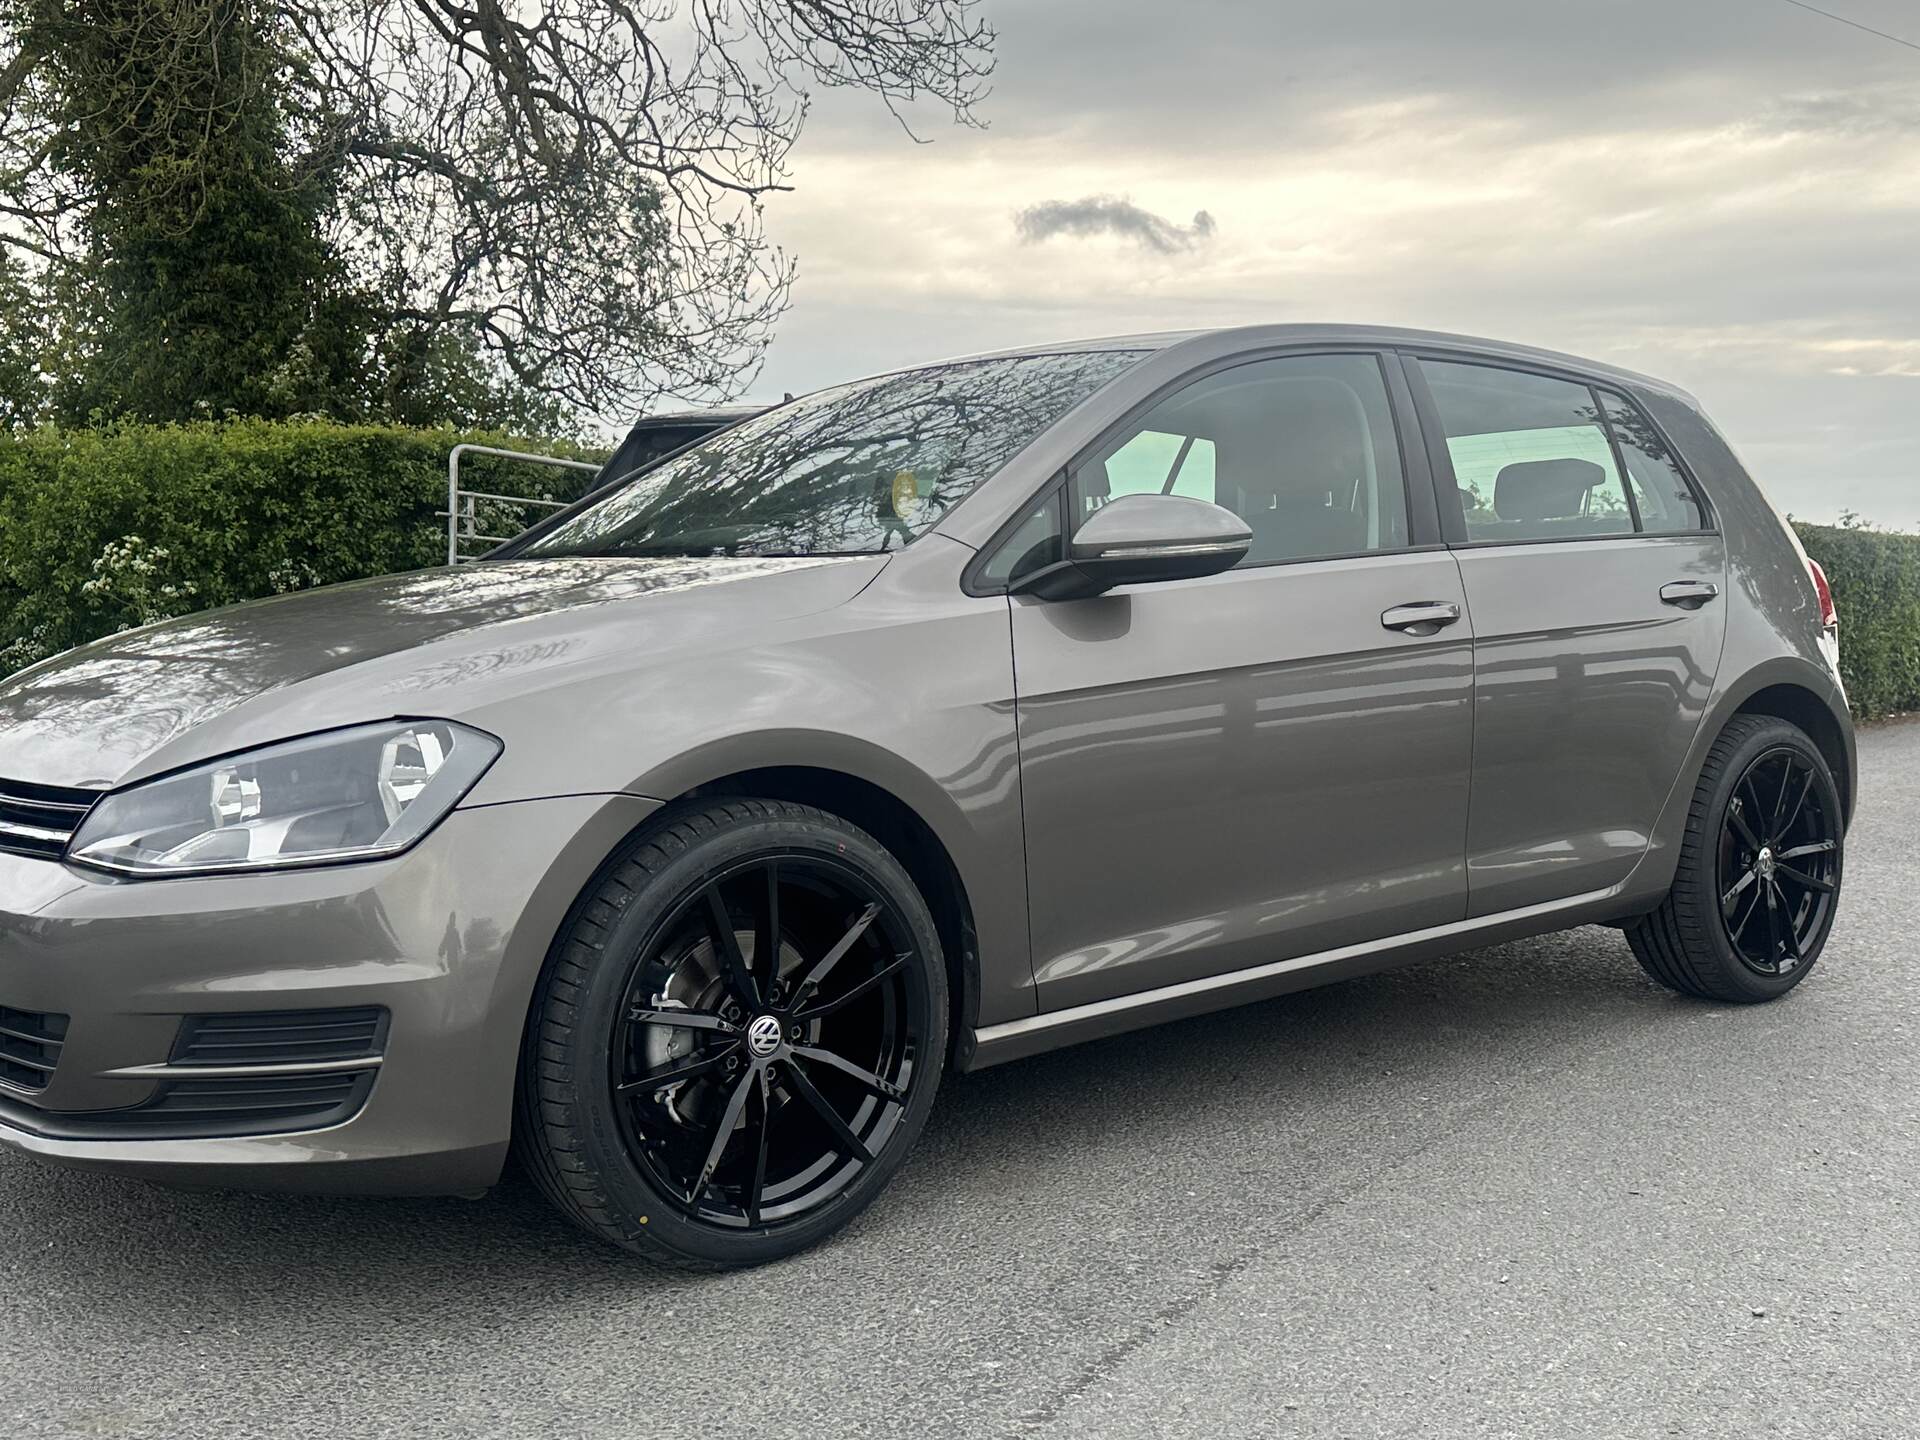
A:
{"points": [[1424, 617], [1689, 594]]}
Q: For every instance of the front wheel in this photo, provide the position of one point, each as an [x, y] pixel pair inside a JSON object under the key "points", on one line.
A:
{"points": [[1758, 882], [737, 1038]]}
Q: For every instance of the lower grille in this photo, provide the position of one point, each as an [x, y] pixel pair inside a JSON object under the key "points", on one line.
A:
{"points": [[248, 1105], [281, 1037], [199, 1109], [39, 820], [30, 1042]]}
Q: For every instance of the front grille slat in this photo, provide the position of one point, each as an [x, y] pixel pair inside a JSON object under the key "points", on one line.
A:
{"points": [[39, 820], [30, 1044], [288, 1037]]}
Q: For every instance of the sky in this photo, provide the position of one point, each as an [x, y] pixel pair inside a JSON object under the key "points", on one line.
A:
{"points": [[1723, 193]]}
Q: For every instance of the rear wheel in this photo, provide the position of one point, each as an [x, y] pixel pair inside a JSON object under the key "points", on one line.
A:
{"points": [[1754, 897], [738, 1037]]}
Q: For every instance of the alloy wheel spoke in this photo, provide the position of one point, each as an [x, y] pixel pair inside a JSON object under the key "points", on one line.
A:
{"points": [[834, 956], [728, 1119], [1736, 817], [1738, 886], [681, 1019], [1803, 879], [1773, 924], [1800, 852], [1745, 920], [660, 1079], [867, 1078], [727, 945], [1793, 946], [760, 1150], [821, 1011], [766, 932], [849, 1143], [1785, 827], [1780, 799]]}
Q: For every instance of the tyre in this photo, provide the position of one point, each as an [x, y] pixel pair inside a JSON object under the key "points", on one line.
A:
{"points": [[737, 1037], [1758, 882]]}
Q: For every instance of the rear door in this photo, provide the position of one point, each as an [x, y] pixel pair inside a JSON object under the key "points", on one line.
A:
{"points": [[1223, 772], [1595, 579]]}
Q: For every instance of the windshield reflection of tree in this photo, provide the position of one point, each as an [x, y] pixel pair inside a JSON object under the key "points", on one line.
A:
{"points": [[863, 467]]}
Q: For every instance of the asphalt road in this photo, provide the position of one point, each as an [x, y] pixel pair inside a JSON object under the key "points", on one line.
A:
{"points": [[1518, 1192]]}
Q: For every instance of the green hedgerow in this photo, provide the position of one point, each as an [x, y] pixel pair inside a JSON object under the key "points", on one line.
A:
{"points": [[102, 530]]}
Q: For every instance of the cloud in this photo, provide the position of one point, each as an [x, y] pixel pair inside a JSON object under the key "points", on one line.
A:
{"points": [[1111, 215], [1732, 208]]}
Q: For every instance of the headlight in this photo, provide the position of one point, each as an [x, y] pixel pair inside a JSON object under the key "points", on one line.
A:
{"points": [[340, 795]]}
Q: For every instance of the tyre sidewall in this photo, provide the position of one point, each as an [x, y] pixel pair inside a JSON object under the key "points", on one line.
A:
{"points": [[632, 1201]]}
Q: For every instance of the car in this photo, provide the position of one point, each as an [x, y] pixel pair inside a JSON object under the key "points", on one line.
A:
{"points": [[930, 721]]}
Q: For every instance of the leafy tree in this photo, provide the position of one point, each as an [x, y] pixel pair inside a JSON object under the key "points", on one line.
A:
{"points": [[147, 160], [23, 342], [469, 208]]}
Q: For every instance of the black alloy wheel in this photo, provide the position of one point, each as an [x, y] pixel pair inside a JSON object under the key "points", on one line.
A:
{"points": [[1778, 863], [768, 1039], [1757, 881], [737, 1037]]}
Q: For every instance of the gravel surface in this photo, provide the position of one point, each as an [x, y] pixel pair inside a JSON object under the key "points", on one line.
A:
{"points": [[1518, 1192]]}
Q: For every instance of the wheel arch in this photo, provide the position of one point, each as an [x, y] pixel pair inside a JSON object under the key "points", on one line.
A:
{"points": [[908, 812], [911, 841], [1794, 702], [1786, 687], [1801, 696]]}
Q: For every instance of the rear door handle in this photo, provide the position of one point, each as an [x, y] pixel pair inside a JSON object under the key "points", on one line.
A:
{"points": [[1690, 594], [1424, 617]]}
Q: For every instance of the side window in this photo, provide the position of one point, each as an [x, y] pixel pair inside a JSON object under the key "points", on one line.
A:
{"points": [[1530, 455], [1154, 462], [1302, 448], [1661, 495], [1034, 544]]}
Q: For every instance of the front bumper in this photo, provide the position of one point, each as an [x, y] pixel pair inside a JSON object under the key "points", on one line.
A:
{"points": [[444, 942]]}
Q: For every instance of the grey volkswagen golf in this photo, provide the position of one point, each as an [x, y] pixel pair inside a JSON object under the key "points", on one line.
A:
{"points": [[916, 725]]}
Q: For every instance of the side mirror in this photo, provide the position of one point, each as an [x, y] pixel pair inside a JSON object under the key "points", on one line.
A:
{"points": [[1142, 539]]}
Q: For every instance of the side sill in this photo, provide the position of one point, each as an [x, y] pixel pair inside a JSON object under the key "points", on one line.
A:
{"points": [[1016, 1039]]}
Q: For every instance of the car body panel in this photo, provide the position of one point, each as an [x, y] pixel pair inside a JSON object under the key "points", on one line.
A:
{"points": [[449, 937], [438, 642], [1224, 771], [1588, 691]]}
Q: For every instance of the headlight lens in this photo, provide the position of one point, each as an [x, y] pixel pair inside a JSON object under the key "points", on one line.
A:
{"points": [[341, 795]]}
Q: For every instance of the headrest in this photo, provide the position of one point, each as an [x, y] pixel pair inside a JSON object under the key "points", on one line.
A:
{"points": [[1544, 489]]}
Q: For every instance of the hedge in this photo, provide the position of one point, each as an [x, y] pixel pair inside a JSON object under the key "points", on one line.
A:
{"points": [[1875, 575], [103, 529]]}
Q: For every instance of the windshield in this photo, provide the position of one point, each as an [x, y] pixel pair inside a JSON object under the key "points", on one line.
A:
{"points": [[857, 469]]}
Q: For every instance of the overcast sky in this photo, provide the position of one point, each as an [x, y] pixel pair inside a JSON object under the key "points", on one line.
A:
{"points": [[1725, 193]]}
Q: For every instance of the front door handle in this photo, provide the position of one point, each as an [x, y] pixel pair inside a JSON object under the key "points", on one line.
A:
{"points": [[1688, 594], [1424, 617]]}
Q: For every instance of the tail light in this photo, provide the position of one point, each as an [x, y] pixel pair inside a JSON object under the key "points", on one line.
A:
{"points": [[1829, 617]]}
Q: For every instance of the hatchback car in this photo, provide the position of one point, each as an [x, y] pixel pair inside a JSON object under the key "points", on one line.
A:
{"points": [[916, 725]]}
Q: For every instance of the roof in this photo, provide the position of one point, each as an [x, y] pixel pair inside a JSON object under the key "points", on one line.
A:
{"points": [[1315, 334]]}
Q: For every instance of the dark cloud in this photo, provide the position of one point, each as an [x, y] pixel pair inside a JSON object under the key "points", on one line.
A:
{"points": [[1111, 215]]}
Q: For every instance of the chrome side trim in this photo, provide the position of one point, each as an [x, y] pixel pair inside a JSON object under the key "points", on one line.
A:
{"points": [[1013, 1039]]}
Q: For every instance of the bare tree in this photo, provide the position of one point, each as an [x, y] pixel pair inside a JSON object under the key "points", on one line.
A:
{"points": [[576, 186]]}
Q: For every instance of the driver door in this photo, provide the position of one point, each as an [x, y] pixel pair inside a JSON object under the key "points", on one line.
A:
{"points": [[1226, 771]]}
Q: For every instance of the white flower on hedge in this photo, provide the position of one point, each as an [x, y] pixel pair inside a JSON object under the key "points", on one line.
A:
{"points": [[123, 576]]}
